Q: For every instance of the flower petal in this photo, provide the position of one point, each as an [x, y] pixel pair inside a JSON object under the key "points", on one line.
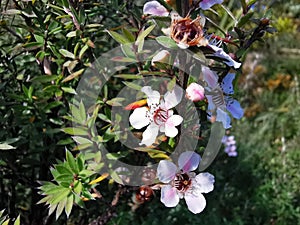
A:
{"points": [[170, 129], [153, 97], [206, 4], [149, 135], [234, 107], [219, 52], [196, 204], [172, 98], [205, 182], [155, 8], [188, 161], [138, 118], [210, 77], [169, 196], [166, 171], [195, 92]]}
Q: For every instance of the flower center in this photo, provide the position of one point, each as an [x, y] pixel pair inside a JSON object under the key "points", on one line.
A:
{"points": [[182, 182], [187, 31], [160, 116]]}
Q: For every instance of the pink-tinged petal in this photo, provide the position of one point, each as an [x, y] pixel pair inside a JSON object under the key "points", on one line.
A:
{"points": [[174, 121], [172, 98], [210, 77], [169, 196], [206, 4], [170, 129], [195, 92], [219, 52], [153, 97], [188, 161], [138, 118], [166, 171], [196, 204], [155, 8], [149, 135], [205, 182]]}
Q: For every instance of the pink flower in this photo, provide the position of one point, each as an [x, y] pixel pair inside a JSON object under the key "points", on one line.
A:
{"points": [[158, 116], [195, 92], [155, 8], [182, 183]]}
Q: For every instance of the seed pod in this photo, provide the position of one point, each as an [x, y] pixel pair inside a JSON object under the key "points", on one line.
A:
{"points": [[143, 194]]}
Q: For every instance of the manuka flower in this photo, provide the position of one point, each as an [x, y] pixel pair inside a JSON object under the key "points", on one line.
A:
{"points": [[182, 183], [195, 92], [187, 32], [219, 103], [158, 115]]}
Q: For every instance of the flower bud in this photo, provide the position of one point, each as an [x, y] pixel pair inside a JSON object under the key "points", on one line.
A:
{"points": [[195, 92]]}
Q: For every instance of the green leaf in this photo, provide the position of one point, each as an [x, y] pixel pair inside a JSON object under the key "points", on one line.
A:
{"points": [[33, 45], [69, 90], [66, 53], [77, 187], [132, 85], [115, 101], [83, 146], [69, 205], [245, 19], [71, 161], [59, 196], [167, 42], [82, 51], [4, 146], [60, 207], [75, 130], [145, 33], [129, 76], [81, 140], [118, 37], [62, 169], [73, 76], [127, 49], [123, 59], [82, 111], [116, 177], [128, 35]]}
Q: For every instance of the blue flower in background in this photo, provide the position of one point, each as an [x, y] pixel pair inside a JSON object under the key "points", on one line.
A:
{"points": [[230, 147]]}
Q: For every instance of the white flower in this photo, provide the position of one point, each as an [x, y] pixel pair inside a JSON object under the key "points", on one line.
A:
{"points": [[158, 116], [184, 184]]}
